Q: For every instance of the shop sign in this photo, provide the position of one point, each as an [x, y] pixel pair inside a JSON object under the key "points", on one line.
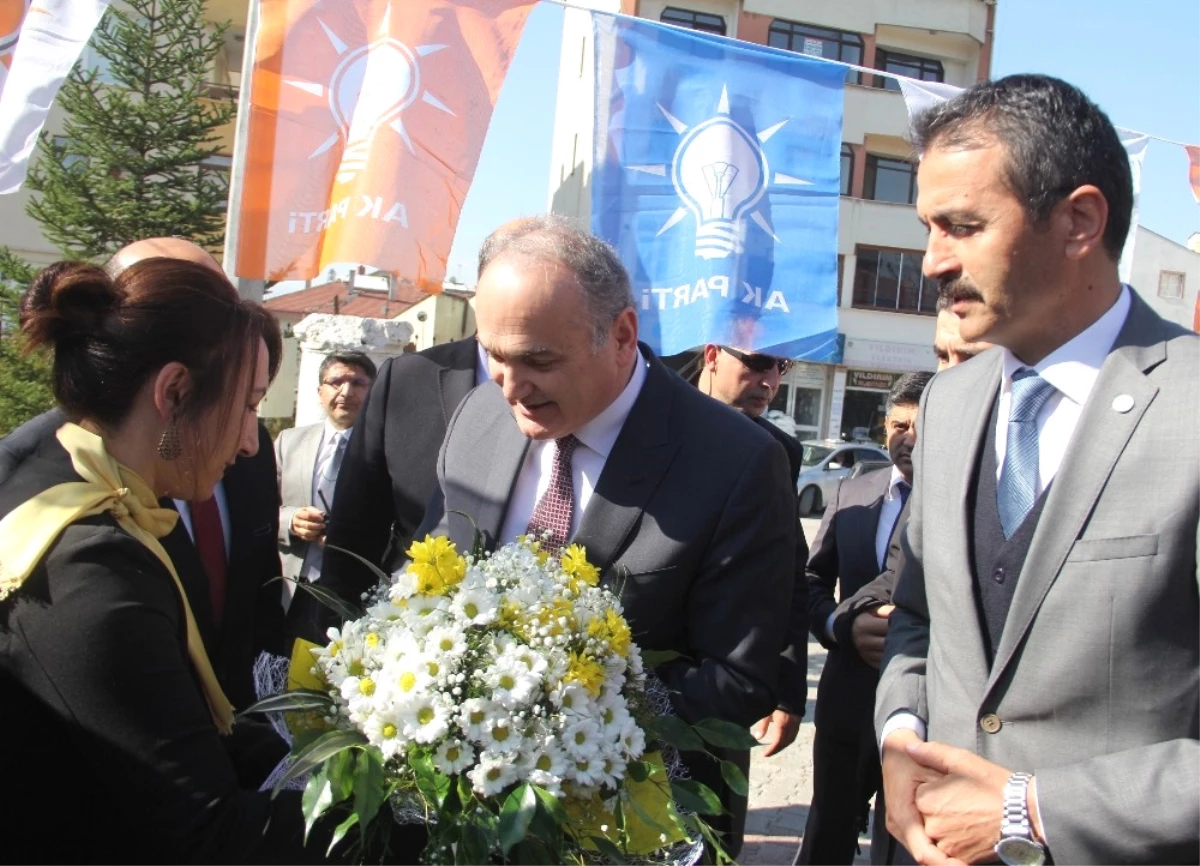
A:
{"points": [[870, 379]]}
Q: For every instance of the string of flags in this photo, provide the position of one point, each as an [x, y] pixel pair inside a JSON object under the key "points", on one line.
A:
{"points": [[716, 162]]}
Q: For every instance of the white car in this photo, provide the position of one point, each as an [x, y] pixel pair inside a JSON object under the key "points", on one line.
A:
{"points": [[828, 461]]}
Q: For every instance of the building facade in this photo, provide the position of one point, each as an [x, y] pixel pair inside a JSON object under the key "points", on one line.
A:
{"points": [[886, 308]]}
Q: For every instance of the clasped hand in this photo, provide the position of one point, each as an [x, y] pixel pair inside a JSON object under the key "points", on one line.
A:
{"points": [[308, 523], [943, 804]]}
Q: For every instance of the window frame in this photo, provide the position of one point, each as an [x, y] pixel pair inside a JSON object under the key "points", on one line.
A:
{"points": [[1182, 284], [846, 183], [871, 177], [678, 16], [844, 39], [909, 262], [883, 55]]}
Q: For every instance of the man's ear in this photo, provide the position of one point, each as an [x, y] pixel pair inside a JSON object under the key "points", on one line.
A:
{"points": [[1084, 216], [711, 350]]}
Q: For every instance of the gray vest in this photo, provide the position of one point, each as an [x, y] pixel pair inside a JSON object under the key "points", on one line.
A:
{"points": [[996, 562]]}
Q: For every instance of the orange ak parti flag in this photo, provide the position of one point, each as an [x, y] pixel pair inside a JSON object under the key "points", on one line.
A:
{"points": [[367, 119], [1193, 152]]}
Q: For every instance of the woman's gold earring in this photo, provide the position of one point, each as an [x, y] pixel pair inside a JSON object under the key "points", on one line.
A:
{"points": [[168, 446]]}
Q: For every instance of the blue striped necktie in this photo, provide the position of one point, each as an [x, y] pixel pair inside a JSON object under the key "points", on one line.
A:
{"points": [[1017, 490]]}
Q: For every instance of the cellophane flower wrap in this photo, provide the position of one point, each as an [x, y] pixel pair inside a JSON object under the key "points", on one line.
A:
{"points": [[496, 695]]}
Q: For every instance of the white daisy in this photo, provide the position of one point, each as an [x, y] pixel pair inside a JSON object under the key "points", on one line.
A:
{"points": [[582, 739], [453, 756], [492, 774]]}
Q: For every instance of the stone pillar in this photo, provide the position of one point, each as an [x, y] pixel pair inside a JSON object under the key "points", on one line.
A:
{"points": [[321, 334]]}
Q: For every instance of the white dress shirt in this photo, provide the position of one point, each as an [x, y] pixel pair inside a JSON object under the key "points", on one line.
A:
{"points": [[185, 515], [329, 443], [1072, 369], [596, 440]]}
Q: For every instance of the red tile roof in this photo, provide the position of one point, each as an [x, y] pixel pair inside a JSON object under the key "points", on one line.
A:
{"points": [[367, 303]]}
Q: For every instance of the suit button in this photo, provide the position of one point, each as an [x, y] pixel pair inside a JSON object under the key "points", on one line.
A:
{"points": [[990, 723], [998, 575]]}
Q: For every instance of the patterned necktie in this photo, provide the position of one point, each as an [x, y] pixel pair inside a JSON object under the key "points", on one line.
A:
{"points": [[209, 539], [557, 504], [328, 471], [1017, 490]]}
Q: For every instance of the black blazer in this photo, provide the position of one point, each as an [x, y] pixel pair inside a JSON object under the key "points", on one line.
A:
{"points": [[843, 553], [102, 715], [389, 472], [874, 594]]}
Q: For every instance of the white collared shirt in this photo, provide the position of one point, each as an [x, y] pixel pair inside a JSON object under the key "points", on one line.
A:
{"points": [[1072, 369], [328, 442], [596, 440], [185, 514], [889, 513]]}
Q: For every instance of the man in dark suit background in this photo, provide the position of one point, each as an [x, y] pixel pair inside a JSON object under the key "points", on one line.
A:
{"points": [[586, 435], [849, 551], [748, 382]]}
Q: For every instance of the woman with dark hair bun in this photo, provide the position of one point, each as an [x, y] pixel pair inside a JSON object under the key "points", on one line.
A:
{"points": [[111, 718]]}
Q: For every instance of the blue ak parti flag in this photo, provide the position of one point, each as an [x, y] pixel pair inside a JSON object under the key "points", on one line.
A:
{"points": [[716, 177]]}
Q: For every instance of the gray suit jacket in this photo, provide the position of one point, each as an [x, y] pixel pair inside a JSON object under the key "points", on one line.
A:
{"points": [[296, 459], [1096, 680], [694, 506]]}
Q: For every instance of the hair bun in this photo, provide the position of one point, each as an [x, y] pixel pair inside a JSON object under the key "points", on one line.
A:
{"points": [[67, 299]]}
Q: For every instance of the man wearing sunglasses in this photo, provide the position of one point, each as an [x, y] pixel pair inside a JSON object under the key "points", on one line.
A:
{"points": [[748, 382]]}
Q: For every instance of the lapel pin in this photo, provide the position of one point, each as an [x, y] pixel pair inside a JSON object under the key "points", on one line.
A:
{"points": [[1122, 403]]}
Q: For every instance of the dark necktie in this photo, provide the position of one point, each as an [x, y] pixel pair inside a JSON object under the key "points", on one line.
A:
{"points": [[209, 538], [1017, 490], [904, 489], [554, 509]]}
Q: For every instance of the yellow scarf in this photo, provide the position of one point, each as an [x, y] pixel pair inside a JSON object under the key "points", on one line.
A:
{"points": [[30, 530]]}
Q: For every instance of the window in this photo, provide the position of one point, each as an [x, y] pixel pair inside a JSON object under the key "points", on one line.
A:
{"points": [[889, 179], [920, 68], [892, 280], [1170, 284], [694, 20], [847, 168], [818, 42]]}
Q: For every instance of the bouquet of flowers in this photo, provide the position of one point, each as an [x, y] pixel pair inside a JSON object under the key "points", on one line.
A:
{"points": [[495, 698]]}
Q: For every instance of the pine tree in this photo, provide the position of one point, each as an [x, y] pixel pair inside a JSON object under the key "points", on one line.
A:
{"points": [[129, 163], [24, 379]]}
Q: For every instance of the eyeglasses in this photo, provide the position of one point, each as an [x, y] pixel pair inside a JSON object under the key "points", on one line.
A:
{"points": [[760, 363], [353, 381]]}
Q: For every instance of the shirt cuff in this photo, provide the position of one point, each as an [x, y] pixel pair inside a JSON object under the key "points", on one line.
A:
{"points": [[901, 721], [829, 628], [1037, 806]]}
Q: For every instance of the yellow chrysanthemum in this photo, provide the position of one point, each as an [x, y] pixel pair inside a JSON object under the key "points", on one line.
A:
{"points": [[586, 671], [512, 618], [575, 564], [435, 565], [613, 629]]}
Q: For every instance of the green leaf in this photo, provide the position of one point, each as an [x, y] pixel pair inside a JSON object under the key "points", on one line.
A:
{"points": [[317, 752], [369, 785], [316, 800], [678, 733], [381, 575], [433, 784], [472, 845], [331, 600], [727, 735], [696, 797], [342, 829], [533, 852], [339, 769], [610, 851], [297, 700], [647, 818], [516, 815], [551, 805], [735, 778], [638, 771], [654, 658]]}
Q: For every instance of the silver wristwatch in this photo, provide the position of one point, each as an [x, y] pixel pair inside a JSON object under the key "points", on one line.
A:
{"points": [[1017, 847]]}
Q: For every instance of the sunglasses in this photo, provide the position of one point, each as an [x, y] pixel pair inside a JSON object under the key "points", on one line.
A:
{"points": [[760, 363]]}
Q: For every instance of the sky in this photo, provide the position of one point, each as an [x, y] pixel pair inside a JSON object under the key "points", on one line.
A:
{"points": [[1140, 62]]}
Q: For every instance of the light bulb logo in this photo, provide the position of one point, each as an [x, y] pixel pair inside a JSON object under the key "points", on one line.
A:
{"points": [[720, 172], [370, 88]]}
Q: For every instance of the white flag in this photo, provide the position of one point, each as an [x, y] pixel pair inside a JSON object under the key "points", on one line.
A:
{"points": [[39, 44]]}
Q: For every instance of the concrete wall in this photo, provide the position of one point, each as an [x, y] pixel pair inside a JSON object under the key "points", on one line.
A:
{"points": [[1152, 255]]}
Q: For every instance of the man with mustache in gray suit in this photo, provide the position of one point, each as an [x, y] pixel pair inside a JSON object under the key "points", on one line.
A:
{"points": [[1040, 694]]}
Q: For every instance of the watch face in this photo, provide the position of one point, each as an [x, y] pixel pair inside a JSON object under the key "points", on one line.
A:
{"points": [[1018, 851]]}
